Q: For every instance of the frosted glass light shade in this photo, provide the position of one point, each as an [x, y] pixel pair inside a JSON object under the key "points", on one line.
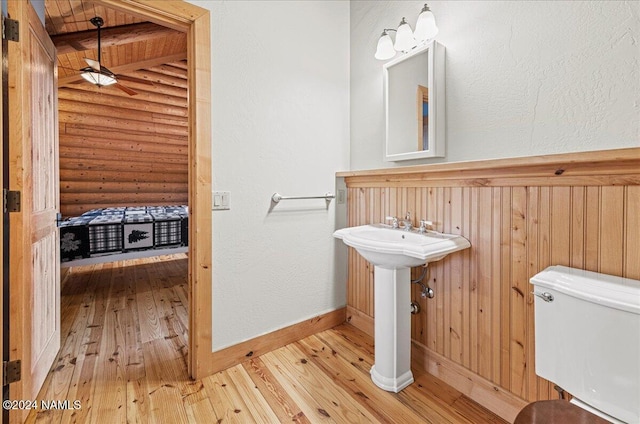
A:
{"points": [[404, 37], [426, 27], [385, 48], [98, 78]]}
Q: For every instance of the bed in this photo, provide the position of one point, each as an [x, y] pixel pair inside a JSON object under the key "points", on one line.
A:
{"points": [[118, 233]]}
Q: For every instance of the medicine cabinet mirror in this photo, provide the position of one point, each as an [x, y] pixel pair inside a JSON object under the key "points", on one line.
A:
{"points": [[415, 104]]}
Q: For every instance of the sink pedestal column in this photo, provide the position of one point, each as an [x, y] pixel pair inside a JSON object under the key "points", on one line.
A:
{"points": [[392, 296]]}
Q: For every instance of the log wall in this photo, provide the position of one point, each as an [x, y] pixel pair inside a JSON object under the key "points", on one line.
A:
{"points": [[121, 150], [578, 210]]}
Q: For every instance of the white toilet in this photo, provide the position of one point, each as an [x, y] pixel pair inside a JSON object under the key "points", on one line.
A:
{"points": [[587, 339]]}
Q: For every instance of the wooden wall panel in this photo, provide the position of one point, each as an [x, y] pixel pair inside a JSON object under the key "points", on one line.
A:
{"points": [[121, 150], [482, 314], [632, 243]]}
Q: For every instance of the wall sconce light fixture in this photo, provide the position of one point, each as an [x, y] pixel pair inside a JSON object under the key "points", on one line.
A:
{"points": [[406, 38]]}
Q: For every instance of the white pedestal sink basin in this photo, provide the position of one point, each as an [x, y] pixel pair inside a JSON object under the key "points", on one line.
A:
{"points": [[393, 251]]}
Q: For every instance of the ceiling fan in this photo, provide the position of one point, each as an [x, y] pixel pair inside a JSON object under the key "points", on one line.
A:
{"points": [[98, 74]]}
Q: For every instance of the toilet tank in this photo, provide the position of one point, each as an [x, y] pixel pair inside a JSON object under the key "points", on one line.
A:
{"points": [[587, 339]]}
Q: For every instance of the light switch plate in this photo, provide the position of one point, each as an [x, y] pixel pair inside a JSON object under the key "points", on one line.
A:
{"points": [[221, 200]]}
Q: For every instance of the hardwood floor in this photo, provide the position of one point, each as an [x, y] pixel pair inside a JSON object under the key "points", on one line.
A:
{"points": [[123, 358]]}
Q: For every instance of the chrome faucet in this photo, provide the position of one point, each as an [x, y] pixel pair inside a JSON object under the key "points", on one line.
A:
{"points": [[394, 221], [423, 226], [407, 222]]}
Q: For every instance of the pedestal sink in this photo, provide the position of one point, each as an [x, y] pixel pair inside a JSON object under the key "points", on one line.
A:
{"points": [[393, 251]]}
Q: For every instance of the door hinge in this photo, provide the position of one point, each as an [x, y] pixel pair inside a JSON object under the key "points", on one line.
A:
{"points": [[11, 371], [10, 29], [11, 200]]}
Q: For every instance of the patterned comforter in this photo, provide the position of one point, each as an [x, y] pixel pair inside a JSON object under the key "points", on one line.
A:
{"points": [[123, 229]]}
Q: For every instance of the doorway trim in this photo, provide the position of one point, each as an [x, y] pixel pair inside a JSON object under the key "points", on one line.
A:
{"points": [[4, 227], [195, 21]]}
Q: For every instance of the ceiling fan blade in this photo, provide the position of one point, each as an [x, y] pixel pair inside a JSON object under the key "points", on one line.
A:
{"points": [[126, 89], [133, 79], [104, 70], [93, 63]]}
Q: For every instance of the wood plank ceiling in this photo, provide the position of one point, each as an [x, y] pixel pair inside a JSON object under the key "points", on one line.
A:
{"points": [[118, 149], [128, 44]]}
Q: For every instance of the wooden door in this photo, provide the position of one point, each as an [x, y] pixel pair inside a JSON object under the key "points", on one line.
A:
{"points": [[34, 239]]}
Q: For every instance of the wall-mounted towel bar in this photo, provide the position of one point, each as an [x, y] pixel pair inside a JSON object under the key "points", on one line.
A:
{"points": [[277, 197]]}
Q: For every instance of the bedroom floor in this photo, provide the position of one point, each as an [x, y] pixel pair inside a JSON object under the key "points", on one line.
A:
{"points": [[123, 356]]}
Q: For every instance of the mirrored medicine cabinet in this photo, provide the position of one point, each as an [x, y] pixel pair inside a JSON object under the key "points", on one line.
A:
{"points": [[415, 104]]}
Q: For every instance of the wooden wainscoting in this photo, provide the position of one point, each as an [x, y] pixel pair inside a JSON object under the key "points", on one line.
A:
{"points": [[521, 215]]}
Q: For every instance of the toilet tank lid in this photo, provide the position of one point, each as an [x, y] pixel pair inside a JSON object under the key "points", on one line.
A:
{"points": [[607, 290]]}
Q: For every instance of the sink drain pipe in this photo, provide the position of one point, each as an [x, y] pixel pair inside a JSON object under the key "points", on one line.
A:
{"points": [[426, 290]]}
